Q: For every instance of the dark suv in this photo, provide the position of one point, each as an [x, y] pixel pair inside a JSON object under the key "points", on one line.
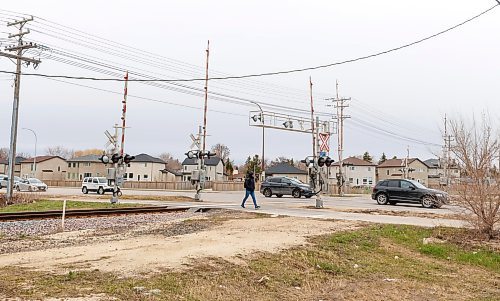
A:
{"points": [[408, 191], [281, 186]]}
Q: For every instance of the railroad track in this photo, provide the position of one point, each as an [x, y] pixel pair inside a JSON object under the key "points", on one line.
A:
{"points": [[31, 215]]}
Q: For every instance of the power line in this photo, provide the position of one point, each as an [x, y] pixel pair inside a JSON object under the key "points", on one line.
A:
{"points": [[286, 71]]}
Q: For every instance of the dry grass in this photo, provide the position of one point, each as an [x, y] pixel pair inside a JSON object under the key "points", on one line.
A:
{"points": [[393, 212], [373, 263]]}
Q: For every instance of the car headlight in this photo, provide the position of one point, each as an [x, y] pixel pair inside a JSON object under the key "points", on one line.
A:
{"points": [[439, 194]]}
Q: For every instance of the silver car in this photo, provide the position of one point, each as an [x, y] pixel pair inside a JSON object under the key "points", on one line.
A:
{"points": [[41, 186], [4, 179], [24, 185]]}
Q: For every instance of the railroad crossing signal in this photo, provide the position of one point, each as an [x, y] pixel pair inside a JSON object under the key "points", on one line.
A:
{"points": [[196, 142]]}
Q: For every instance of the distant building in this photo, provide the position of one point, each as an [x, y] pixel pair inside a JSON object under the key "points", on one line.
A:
{"points": [[170, 175], [47, 168], [145, 168], [3, 166], [437, 174], [356, 172], [85, 166], [287, 170], [214, 166], [394, 169]]}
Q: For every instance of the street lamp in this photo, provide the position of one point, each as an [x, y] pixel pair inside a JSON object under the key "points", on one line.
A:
{"points": [[263, 140], [34, 159]]}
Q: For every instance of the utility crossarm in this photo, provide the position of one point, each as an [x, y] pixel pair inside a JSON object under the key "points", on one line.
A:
{"points": [[21, 47], [13, 35], [23, 21], [26, 59]]}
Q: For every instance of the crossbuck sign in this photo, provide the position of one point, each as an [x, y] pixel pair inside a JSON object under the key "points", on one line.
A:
{"points": [[325, 142]]}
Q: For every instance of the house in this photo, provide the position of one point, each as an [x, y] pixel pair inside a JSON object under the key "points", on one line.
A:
{"points": [[170, 175], [214, 169], [437, 173], [394, 169], [287, 170], [85, 166], [3, 166], [357, 172], [145, 168], [47, 168]]}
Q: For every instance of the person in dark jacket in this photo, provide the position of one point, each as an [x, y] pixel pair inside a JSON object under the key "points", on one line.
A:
{"points": [[250, 190]]}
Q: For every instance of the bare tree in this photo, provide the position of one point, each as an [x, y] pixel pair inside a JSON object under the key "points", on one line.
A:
{"points": [[60, 151], [478, 192], [172, 163], [222, 151], [86, 152], [4, 153]]}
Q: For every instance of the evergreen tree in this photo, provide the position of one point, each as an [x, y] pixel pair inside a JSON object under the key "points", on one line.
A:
{"points": [[367, 157], [382, 159]]}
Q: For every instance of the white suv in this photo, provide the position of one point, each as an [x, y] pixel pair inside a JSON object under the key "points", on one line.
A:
{"points": [[97, 184]]}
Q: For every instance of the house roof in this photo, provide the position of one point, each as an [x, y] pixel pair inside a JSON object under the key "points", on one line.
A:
{"points": [[40, 159], [174, 172], [432, 163], [87, 158], [398, 162], [19, 159], [147, 158], [284, 168], [356, 162], [213, 161]]}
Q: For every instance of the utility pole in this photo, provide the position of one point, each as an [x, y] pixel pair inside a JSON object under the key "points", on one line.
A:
{"points": [[315, 138], [447, 151], [340, 105], [407, 173], [15, 107]]}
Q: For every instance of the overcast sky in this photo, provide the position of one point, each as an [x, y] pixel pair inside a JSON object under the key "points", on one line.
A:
{"points": [[406, 92]]}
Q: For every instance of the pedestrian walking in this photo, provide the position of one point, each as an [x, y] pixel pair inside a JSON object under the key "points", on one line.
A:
{"points": [[250, 190]]}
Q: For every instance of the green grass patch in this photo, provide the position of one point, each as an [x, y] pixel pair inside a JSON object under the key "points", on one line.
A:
{"points": [[46, 205]]}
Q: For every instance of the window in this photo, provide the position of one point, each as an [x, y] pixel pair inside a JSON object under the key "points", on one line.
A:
{"points": [[370, 181], [95, 181], [69, 165], [387, 172], [87, 174], [125, 175], [128, 165], [185, 167], [32, 167], [351, 180], [384, 183], [369, 168], [131, 176], [365, 181], [58, 168], [275, 180], [86, 164], [145, 176], [405, 185], [393, 183], [145, 164], [351, 168]]}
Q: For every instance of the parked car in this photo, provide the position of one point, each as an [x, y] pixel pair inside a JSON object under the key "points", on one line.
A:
{"points": [[97, 184], [41, 186], [4, 179], [25, 185], [280, 186], [408, 191]]}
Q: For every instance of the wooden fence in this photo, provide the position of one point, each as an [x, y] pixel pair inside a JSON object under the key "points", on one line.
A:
{"points": [[136, 185]]}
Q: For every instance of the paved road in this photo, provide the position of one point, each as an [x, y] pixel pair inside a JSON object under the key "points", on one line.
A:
{"points": [[335, 207]]}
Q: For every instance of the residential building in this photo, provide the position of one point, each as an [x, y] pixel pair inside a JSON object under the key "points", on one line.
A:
{"points": [[357, 172], [394, 169], [437, 172], [214, 169], [47, 168], [3, 166], [287, 170], [170, 175], [86, 166], [145, 168]]}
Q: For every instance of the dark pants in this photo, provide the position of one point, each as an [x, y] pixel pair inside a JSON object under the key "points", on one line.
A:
{"points": [[252, 193]]}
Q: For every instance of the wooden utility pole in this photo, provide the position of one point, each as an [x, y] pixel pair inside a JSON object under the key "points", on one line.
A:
{"points": [[340, 105], [17, 86]]}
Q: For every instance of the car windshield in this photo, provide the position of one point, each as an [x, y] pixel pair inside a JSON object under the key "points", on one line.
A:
{"points": [[34, 181], [101, 180], [417, 184], [295, 181]]}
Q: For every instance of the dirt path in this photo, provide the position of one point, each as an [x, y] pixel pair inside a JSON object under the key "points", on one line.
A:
{"points": [[151, 253]]}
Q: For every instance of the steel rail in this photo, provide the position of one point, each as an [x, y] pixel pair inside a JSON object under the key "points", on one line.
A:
{"points": [[32, 215]]}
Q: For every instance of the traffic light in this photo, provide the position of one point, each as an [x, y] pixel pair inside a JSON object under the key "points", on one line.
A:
{"points": [[128, 158], [308, 162], [104, 159], [322, 161], [192, 154], [116, 158], [209, 154]]}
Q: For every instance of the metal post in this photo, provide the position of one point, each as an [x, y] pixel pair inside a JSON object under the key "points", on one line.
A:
{"points": [[114, 198], [34, 159], [263, 140], [197, 196], [124, 114]]}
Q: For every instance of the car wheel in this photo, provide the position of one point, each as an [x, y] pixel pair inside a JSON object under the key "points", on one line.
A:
{"points": [[279, 195], [267, 193], [85, 190], [119, 193], [382, 199], [427, 202], [100, 190], [296, 194]]}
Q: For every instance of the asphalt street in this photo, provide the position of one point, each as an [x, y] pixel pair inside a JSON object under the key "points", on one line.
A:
{"points": [[365, 209]]}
